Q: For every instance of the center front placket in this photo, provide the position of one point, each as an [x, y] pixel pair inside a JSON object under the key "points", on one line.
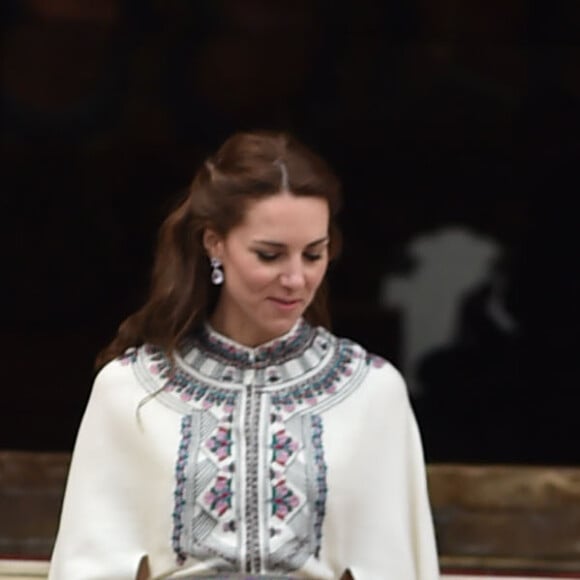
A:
{"points": [[252, 503]]}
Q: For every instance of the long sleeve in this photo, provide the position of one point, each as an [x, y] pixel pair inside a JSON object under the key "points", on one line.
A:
{"points": [[110, 504], [422, 531], [379, 521]]}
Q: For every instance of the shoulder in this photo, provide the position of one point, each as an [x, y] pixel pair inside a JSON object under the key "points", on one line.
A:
{"points": [[118, 375], [120, 367], [379, 373]]}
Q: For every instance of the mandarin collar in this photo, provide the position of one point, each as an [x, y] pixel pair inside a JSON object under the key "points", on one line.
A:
{"points": [[273, 352]]}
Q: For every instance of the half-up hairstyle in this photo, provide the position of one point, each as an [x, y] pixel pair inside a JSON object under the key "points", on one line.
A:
{"points": [[248, 166]]}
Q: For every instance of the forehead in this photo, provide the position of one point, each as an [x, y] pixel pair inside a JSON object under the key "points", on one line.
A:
{"points": [[285, 215]]}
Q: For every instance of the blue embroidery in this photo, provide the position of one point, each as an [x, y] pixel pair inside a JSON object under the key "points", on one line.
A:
{"points": [[276, 352], [129, 356], [181, 382], [180, 479], [375, 360], [320, 503], [324, 384]]}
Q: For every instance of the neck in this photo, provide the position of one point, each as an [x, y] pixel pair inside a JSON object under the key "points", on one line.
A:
{"points": [[242, 334]]}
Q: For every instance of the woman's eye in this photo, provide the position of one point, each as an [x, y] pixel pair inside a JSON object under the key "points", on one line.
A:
{"points": [[267, 256], [312, 257]]}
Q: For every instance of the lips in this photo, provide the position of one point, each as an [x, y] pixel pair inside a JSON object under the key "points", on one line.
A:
{"points": [[284, 302]]}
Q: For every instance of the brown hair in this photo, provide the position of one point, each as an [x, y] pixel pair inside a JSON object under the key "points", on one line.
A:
{"points": [[248, 166]]}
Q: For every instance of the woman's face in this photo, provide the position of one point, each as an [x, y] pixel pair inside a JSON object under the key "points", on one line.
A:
{"points": [[273, 262]]}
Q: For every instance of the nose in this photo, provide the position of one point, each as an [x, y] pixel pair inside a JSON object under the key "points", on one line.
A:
{"points": [[293, 276]]}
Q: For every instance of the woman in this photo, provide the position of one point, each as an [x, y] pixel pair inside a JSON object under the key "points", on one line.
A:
{"points": [[228, 430]]}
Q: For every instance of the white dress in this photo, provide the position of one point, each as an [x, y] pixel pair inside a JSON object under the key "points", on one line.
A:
{"points": [[298, 457]]}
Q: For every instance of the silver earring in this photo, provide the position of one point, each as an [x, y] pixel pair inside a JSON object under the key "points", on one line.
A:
{"points": [[217, 274]]}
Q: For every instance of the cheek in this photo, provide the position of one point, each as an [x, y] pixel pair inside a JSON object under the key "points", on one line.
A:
{"points": [[317, 274], [254, 276], [260, 278]]}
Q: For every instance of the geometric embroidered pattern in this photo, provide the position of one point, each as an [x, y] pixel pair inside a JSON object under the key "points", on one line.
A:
{"points": [[250, 472]]}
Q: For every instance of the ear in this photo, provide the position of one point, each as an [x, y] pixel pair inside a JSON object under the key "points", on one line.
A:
{"points": [[213, 243]]}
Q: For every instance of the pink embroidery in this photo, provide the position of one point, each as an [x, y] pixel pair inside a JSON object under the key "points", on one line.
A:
{"points": [[220, 443], [284, 500], [219, 497], [283, 447]]}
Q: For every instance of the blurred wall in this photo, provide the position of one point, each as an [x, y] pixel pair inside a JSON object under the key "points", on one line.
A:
{"points": [[453, 125]]}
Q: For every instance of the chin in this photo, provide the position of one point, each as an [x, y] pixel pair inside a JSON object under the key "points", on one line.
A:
{"points": [[280, 326], [283, 325]]}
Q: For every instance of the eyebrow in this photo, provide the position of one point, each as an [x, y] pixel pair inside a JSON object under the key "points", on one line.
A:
{"points": [[281, 245]]}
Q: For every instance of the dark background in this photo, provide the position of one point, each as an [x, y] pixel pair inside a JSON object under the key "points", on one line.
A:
{"points": [[434, 114]]}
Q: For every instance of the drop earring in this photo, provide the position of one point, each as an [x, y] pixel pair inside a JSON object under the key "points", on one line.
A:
{"points": [[217, 274]]}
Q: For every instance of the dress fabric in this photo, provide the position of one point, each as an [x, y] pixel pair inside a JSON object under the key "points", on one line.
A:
{"points": [[300, 457]]}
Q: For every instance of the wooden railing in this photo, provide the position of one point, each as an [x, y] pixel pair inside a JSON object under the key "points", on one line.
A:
{"points": [[499, 518], [507, 517]]}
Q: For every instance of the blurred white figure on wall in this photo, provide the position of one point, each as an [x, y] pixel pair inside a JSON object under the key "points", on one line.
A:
{"points": [[448, 264]]}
